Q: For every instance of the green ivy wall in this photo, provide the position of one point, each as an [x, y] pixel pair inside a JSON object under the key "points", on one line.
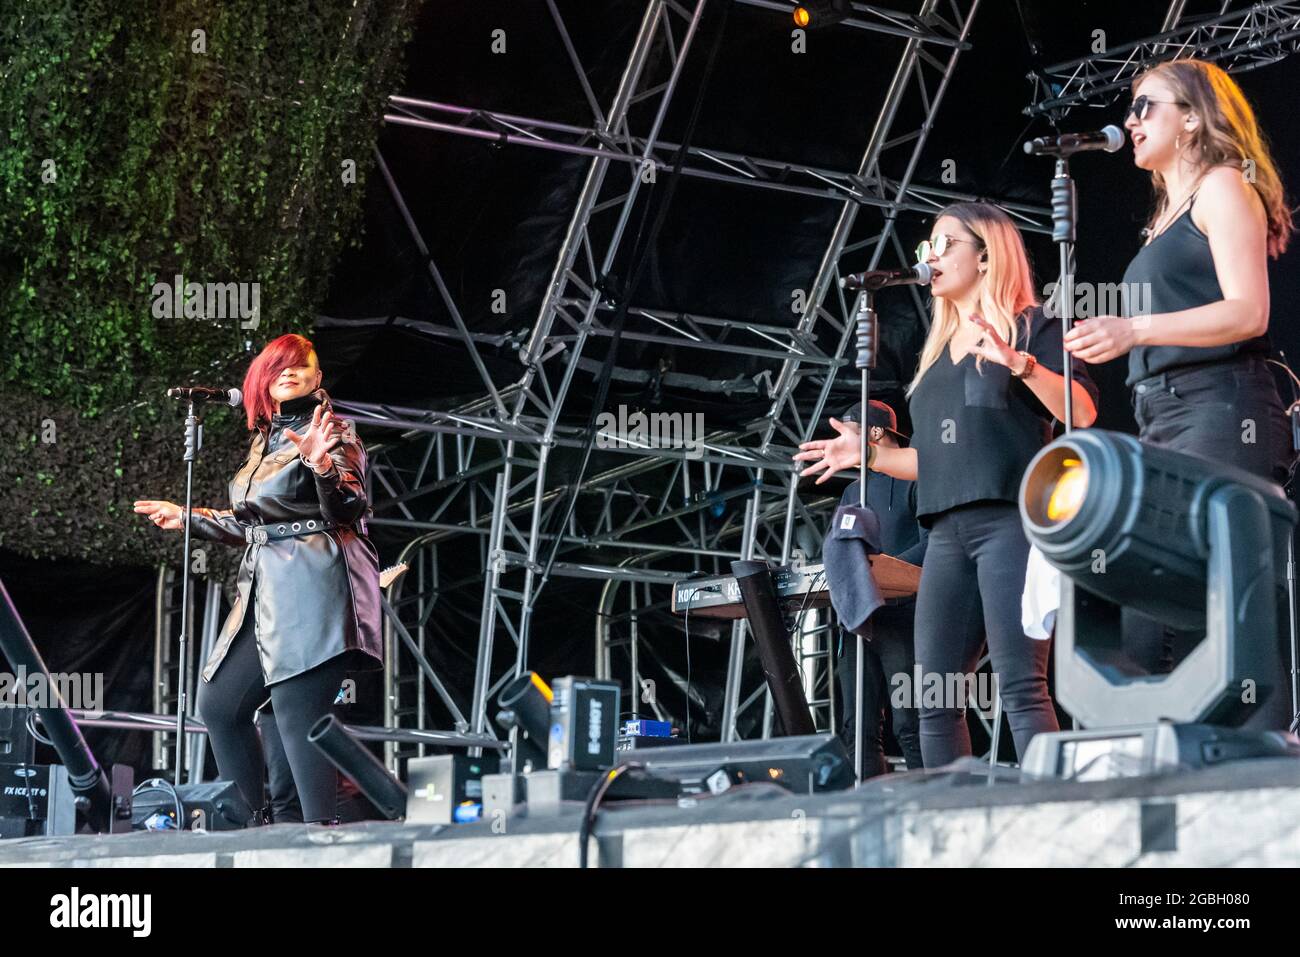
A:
{"points": [[223, 141]]}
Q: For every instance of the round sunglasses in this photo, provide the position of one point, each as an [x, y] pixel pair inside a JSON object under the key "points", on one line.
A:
{"points": [[939, 245]]}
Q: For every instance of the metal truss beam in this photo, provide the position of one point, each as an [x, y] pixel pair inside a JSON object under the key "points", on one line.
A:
{"points": [[909, 26], [481, 471], [721, 166], [718, 448], [1239, 41]]}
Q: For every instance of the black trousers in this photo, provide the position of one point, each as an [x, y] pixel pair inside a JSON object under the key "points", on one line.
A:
{"points": [[1225, 412], [285, 806], [227, 705], [890, 652], [971, 587]]}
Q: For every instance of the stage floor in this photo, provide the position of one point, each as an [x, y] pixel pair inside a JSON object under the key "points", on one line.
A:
{"points": [[1245, 814]]}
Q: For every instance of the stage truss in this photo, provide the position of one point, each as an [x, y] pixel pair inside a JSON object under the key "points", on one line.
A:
{"points": [[482, 471]]}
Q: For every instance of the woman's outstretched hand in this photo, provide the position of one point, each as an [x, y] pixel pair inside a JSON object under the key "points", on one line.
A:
{"points": [[321, 436], [831, 455], [165, 515]]}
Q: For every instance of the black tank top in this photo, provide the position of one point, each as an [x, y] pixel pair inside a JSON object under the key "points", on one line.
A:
{"points": [[1175, 271]]}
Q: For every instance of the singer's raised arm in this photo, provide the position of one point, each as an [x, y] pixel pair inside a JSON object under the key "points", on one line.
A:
{"points": [[342, 487]]}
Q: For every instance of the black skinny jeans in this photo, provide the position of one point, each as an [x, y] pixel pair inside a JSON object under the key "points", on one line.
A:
{"points": [[228, 703], [283, 797], [889, 652], [1226, 412], [971, 587]]}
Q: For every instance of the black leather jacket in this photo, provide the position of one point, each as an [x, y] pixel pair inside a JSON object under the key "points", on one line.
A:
{"points": [[317, 595]]}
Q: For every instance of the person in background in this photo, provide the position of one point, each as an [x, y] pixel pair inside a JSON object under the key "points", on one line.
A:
{"points": [[890, 651]]}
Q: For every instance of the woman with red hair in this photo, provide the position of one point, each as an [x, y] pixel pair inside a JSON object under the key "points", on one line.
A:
{"points": [[309, 576]]}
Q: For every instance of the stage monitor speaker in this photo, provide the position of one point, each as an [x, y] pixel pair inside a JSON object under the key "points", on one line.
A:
{"points": [[210, 806], [549, 792], [804, 765]]}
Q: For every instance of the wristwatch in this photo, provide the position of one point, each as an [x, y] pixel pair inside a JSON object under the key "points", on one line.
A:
{"points": [[1030, 362]]}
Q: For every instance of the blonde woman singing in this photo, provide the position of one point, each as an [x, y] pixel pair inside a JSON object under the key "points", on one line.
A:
{"points": [[988, 386]]}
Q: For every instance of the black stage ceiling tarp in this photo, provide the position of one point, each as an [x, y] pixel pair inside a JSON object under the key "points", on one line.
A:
{"points": [[493, 218]]}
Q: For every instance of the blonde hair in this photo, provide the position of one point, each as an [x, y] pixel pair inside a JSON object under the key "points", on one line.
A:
{"points": [[1227, 135], [1006, 291]]}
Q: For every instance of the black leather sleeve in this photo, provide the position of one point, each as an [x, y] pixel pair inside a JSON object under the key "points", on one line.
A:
{"points": [[216, 525], [342, 491]]}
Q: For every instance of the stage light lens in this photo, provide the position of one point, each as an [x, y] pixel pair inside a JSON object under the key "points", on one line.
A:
{"points": [[1068, 493], [802, 17]]}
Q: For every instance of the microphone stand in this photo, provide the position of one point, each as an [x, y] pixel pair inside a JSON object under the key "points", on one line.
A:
{"points": [[1065, 211], [1064, 215], [1291, 616], [868, 347], [193, 442]]}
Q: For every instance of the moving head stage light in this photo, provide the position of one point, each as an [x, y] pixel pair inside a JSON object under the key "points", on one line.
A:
{"points": [[1192, 543], [819, 14]]}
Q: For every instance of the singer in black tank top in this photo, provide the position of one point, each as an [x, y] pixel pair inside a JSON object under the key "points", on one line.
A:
{"points": [[1197, 368], [1217, 402], [1206, 402], [1178, 270]]}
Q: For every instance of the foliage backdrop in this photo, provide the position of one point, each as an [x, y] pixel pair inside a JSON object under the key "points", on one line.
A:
{"points": [[139, 141]]}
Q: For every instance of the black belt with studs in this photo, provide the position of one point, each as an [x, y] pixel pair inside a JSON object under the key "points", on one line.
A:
{"points": [[261, 534]]}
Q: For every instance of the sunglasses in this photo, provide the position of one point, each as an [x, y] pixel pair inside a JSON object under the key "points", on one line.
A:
{"points": [[1141, 106], [939, 245]]}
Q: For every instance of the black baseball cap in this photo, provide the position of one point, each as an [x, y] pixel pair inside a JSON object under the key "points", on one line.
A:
{"points": [[880, 415]]}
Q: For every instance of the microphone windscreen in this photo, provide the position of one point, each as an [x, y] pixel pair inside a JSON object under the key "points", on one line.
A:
{"points": [[236, 398], [1114, 137]]}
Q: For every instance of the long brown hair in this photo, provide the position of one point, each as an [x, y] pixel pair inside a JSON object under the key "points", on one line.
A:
{"points": [[1005, 293], [1227, 135]]}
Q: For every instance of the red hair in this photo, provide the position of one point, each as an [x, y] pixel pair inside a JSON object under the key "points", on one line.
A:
{"points": [[275, 357]]}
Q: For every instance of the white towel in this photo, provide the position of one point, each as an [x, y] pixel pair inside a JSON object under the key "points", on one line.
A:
{"points": [[1042, 596]]}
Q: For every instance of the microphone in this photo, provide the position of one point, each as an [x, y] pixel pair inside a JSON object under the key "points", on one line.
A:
{"points": [[1108, 138], [203, 393], [918, 275]]}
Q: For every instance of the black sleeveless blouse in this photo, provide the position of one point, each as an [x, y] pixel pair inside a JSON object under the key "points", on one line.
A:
{"points": [[1175, 271]]}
